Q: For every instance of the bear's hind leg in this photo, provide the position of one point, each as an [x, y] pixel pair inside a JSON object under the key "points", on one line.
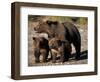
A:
{"points": [[78, 50], [37, 55]]}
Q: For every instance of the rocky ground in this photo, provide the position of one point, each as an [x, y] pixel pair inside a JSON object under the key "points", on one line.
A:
{"points": [[83, 31]]}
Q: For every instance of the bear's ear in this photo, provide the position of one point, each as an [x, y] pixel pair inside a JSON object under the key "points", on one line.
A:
{"points": [[49, 22]]}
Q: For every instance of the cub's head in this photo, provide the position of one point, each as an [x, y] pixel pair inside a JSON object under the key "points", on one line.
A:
{"points": [[40, 42], [54, 43], [58, 44]]}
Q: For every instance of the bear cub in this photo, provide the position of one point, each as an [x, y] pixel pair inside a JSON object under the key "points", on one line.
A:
{"points": [[40, 48], [63, 48]]}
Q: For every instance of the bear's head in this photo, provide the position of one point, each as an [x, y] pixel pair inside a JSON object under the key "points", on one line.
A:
{"points": [[46, 27], [58, 44], [54, 43], [40, 42]]}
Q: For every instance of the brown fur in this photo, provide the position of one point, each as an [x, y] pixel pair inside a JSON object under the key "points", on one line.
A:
{"points": [[40, 48], [63, 31], [63, 48]]}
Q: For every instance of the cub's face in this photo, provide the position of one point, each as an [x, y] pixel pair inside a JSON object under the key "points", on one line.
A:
{"points": [[54, 43], [40, 42]]}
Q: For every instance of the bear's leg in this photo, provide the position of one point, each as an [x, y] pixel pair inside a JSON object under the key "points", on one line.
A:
{"points": [[54, 57], [37, 55], [44, 57], [62, 57], [78, 49], [66, 56], [78, 54], [47, 54]]}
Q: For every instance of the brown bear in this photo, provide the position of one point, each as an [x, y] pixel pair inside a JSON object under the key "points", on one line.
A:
{"points": [[74, 37], [64, 31], [40, 48], [63, 48], [52, 28]]}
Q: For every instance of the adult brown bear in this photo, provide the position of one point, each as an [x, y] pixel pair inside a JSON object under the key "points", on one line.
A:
{"points": [[63, 31], [73, 36], [63, 48], [40, 48]]}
